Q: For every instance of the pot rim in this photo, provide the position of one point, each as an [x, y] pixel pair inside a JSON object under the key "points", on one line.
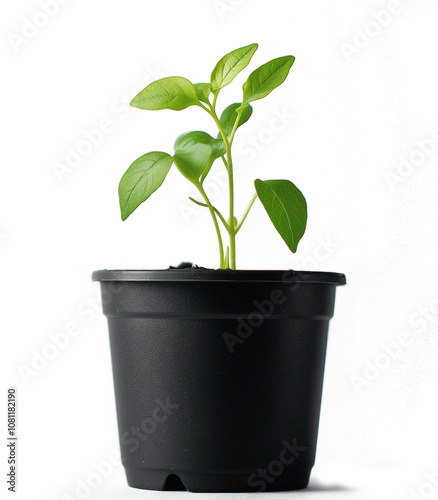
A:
{"points": [[222, 275]]}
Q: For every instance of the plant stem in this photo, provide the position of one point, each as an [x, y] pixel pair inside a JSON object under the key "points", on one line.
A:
{"points": [[236, 124], [245, 215], [231, 222], [216, 225], [221, 217], [229, 164], [231, 226]]}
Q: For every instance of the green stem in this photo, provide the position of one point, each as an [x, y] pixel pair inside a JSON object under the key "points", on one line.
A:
{"points": [[236, 124], [229, 163], [245, 215], [216, 225], [231, 227], [232, 231], [221, 217], [215, 95]]}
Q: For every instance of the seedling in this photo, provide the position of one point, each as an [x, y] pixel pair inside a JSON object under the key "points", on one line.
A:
{"points": [[196, 152]]}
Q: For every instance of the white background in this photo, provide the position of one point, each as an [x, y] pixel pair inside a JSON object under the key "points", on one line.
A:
{"points": [[359, 105]]}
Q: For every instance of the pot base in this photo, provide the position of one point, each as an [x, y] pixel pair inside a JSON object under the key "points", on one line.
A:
{"points": [[225, 482]]}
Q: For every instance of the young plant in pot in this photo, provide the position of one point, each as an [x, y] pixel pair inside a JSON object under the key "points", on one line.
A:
{"points": [[218, 373]]}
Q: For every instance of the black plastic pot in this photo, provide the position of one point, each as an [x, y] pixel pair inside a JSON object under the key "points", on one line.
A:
{"points": [[218, 375]]}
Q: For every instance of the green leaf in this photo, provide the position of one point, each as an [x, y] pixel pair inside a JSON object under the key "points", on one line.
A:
{"points": [[286, 207], [203, 91], [230, 65], [229, 115], [174, 92], [265, 79], [190, 139], [142, 179], [195, 153], [193, 161]]}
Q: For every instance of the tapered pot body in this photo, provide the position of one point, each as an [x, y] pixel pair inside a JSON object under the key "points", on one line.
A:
{"points": [[218, 375]]}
